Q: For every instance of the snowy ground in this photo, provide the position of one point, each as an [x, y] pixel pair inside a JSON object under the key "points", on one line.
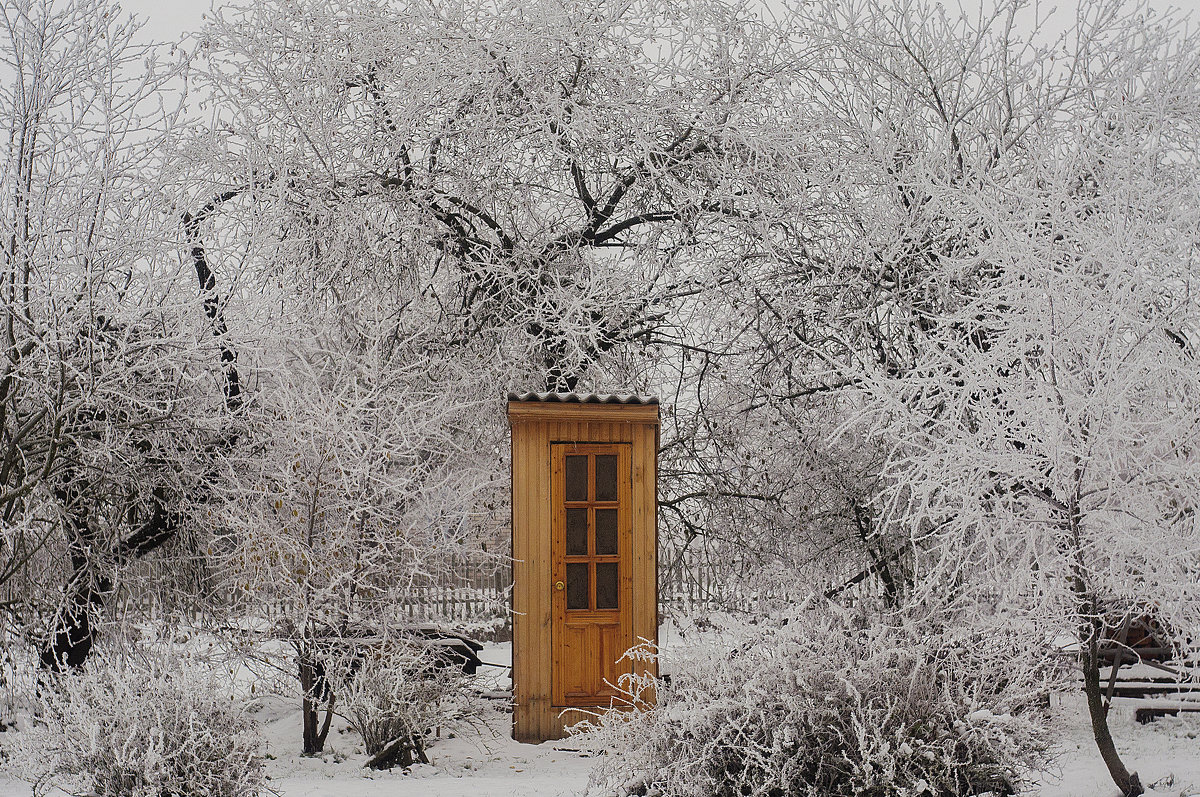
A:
{"points": [[468, 765], [1166, 753]]}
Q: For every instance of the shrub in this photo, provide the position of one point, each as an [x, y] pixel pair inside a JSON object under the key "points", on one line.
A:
{"points": [[395, 694], [144, 725], [817, 707]]}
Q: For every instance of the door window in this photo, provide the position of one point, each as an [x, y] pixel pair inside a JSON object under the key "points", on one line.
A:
{"points": [[590, 522]]}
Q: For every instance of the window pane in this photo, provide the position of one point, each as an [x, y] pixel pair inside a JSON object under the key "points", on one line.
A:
{"points": [[606, 477], [577, 586], [606, 532], [606, 585], [577, 478], [577, 532]]}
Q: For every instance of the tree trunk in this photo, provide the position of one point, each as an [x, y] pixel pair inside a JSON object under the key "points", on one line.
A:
{"points": [[315, 690], [1091, 631], [75, 627], [1128, 782], [77, 623]]}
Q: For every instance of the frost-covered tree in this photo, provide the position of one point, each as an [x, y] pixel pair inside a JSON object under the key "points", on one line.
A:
{"points": [[1013, 318], [582, 194], [1047, 459], [106, 370], [358, 478], [541, 169]]}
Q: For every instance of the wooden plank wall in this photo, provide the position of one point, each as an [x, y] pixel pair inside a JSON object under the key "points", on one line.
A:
{"points": [[645, 533], [535, 426]]}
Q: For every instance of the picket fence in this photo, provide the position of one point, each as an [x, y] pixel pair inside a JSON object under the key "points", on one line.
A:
{"points": [[474, 596]]}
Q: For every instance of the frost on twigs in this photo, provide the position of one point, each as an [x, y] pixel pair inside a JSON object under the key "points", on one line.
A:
{"points": [[817, 706], [396, 693], [141, 725]]}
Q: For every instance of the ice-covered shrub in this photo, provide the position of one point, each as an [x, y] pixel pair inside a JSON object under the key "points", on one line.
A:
{"points": [[816, 707], [395, 693], [149, 724]]}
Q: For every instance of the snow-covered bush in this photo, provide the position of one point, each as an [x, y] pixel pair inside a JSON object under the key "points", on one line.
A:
{"points": [[395, 693], [816, 707], [150, 724]]}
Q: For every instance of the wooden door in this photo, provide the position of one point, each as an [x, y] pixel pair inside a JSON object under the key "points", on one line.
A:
{"points": [[592, 579]]}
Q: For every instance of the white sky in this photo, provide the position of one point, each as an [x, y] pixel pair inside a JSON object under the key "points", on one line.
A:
{"points": [[167, 20]]}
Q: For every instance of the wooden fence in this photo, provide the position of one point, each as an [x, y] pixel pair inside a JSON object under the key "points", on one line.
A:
{"points": [[472, 600], [477, 601], [697, 581], [470, 594], [473, 596]]}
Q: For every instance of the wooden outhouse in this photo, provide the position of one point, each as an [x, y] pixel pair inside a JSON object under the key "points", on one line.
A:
{"points": [[584, 528]]}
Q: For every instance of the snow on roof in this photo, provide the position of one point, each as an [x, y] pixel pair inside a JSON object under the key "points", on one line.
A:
{"points": [[584, 398]]}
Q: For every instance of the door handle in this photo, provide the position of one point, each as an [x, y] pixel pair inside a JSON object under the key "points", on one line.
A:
{"points": [[560, 586]]}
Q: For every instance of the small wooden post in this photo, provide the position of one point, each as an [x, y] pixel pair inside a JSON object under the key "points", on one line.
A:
{"points": [[584, 526]]}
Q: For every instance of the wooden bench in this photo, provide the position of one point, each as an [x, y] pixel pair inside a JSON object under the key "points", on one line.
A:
{"points": [[1149, 714]]}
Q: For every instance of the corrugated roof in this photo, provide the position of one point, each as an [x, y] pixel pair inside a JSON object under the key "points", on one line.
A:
{"points": [[584, 398]]}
